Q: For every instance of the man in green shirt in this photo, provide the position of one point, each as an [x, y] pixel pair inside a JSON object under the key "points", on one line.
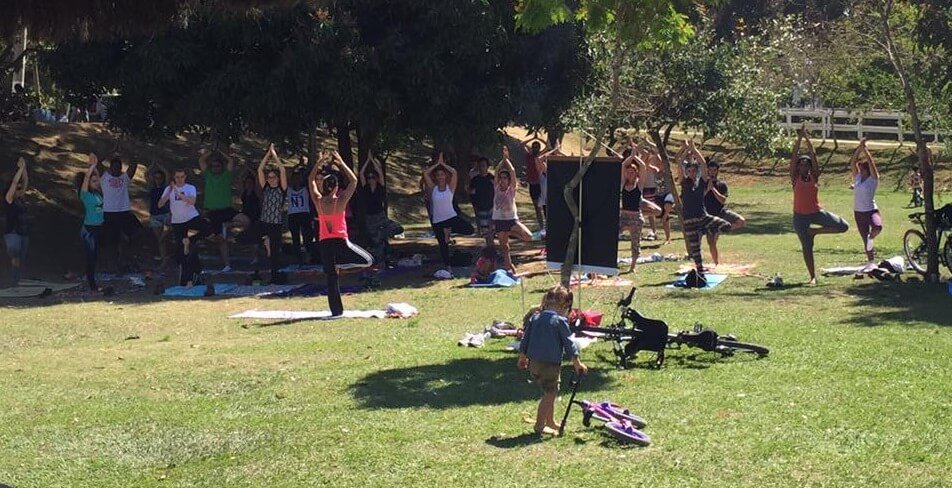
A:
{"points": [[217, 170]]}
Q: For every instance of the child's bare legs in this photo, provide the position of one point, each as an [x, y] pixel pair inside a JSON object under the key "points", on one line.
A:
{"points": [[545, 414], [504, 251]]}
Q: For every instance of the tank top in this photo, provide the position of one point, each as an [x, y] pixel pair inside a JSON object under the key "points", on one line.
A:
{"points": [[631, 199], [864, 194], [806, 199], [298, 201], [504, 204], [442, 205], [333, 226], [272, 206]]}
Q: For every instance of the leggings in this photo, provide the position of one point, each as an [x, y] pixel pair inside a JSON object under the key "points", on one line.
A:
{"points": [[190, 265], [91, 234], [634, 222], [275, 235], [802, 223], [457, 226], [695, 228], [869, 225], [301, 225], [334, 251]]}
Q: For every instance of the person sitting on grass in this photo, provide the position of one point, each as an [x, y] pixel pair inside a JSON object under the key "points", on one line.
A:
{"points": [[159, 217], [715, 201], [17, 235], [545, 339], [697, 221], [869, 222], [274, 186], [505, 217], [485, 266], [805, 177]]}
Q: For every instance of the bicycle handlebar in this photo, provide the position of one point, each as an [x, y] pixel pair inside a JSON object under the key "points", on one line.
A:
{"points": [[625, 302]]}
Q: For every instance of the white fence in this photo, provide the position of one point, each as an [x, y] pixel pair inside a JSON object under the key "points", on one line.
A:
{"points": [[874, 124]]}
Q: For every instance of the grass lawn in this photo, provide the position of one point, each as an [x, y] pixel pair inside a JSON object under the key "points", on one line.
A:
{"points": [[144, 392]]}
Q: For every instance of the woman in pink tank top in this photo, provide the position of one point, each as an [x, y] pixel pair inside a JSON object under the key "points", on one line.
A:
{"points": [[331, 203]]}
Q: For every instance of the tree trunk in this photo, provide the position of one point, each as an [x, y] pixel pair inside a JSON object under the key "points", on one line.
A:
{"points": [[925, 161], [344, 146], [312, 146]]}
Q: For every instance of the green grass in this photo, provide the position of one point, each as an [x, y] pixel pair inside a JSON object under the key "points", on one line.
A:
{"points": [[855, 392]]}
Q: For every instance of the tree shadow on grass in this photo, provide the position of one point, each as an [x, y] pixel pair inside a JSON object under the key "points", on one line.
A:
{"points": [[457, 383], [761, 222], [889, 303]]}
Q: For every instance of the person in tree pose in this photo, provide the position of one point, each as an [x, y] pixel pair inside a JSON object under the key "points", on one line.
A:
{"points": [[505, 217], [373, 188], [533, 148], [440, 180], [715, 201], [17, 235], [865, 182], [159, 217], [274, 185], [481, 193], [217, 170], [807, 212], [300, 219], [181, 197], [90, 194], [331, 203], [633, 176], [120, 223], [697, 221], [650, 194]]}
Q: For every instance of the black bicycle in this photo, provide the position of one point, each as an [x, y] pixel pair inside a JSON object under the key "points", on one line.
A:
{"points": [[633, 333], [914, 241]]}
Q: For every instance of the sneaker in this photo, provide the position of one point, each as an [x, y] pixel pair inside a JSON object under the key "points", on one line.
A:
{"points": [[465, 340], [542, 233], [226, 269], [477, 340]]}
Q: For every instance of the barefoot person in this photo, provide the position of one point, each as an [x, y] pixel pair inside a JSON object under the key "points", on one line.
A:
{"points": [[274, 185], [715, 201], [17, 235], [373, 189], [181, 198], [121, 225], [159, 217], [807, 212], [865, 181], [300, 217], [90, 194], [331, 203], [533, 148], [633, 176], [440, 180], [541, 350], [505, 218], [697, 221]]}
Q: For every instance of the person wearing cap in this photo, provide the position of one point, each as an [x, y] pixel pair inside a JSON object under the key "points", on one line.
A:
{"points": [[809, 218], [694, 188], [715, 201]]}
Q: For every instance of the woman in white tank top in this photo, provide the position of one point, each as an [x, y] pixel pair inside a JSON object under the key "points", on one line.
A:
{"points": [[869, 222], [441, 182]]}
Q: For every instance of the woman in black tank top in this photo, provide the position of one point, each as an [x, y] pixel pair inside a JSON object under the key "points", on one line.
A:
{"points": [[633, 171]]}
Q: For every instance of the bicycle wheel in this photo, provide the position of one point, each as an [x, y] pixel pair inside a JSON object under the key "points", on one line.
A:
{"points": [[745, 347], [914, 245]]}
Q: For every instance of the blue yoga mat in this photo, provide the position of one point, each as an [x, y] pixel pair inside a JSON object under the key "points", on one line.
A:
{"points": [[499, 279], [198, 290], [712, 281]]}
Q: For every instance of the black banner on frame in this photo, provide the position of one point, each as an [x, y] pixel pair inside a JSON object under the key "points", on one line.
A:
{"points": [[601, 192]]}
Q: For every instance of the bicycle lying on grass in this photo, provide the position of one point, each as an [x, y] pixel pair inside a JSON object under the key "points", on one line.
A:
{"points": [[914, 241], [633, 333]]}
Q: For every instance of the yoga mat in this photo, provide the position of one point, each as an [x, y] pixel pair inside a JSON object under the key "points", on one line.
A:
{"points": [[304, 315], [261, 290], [841, 271], [198, 291], [33, 288], [712, 281]]}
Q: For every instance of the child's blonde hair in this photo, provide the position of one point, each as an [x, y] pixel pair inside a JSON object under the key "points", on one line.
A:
{"points": [[558, 299]]}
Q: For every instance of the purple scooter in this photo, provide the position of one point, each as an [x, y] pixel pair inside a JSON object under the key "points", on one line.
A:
{"points": [[621, 423]]}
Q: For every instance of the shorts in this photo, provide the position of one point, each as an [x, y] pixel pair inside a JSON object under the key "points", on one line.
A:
{"points": [[484, 218], [547, 375], [728, 215], [630, 218], [116, 223], [535, 191], [662, 200], [160, 221], [504, 225], [649, 193], [221, 216]]}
